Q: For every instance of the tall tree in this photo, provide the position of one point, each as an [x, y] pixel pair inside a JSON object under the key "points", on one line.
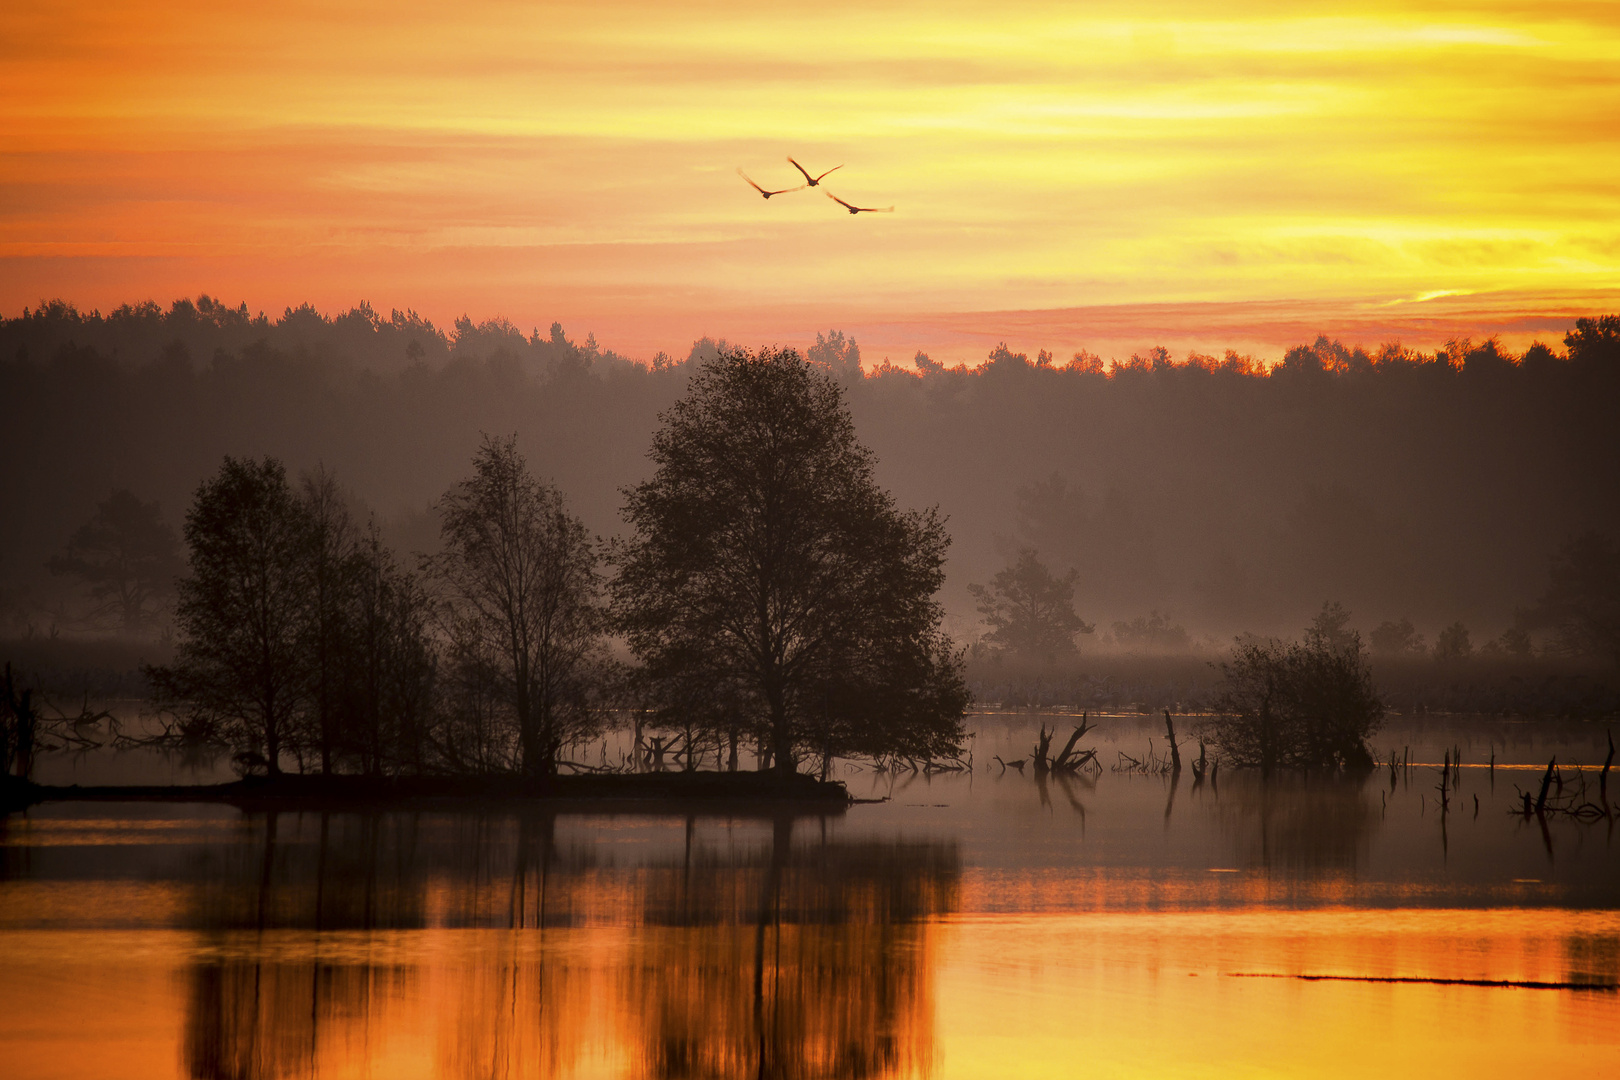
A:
{"points": [[330, 549], [240, 674], [767, 562], [520, 575], [1582, 602], [390, 664], [128, 557], [1030, 610]]}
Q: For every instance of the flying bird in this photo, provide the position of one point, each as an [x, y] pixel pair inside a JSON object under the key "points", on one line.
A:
{"points": [[812, 181], [762, 191], [859, 209]]}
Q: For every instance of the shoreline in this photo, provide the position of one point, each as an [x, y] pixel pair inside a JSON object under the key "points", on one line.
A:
{"points": [[635, 791]]}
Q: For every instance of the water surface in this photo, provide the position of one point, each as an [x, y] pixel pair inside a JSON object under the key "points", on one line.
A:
{"points": [[978, 924]]}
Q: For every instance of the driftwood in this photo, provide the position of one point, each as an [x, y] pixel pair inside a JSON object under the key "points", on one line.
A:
{"points": [[1069, 760]]}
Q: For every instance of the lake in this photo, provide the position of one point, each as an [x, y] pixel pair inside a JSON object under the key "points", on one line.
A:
{"points": [[981, 924]]}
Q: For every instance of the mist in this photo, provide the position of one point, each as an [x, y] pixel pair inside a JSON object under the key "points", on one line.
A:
{"points": [[1197, 497]]}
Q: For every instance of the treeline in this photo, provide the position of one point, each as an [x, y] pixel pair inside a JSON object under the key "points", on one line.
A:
{"points": [[202, 331], [1211, 495]]}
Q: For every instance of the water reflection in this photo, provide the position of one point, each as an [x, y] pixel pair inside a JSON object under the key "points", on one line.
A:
{"points": [[1297, 825], [772, 954]]}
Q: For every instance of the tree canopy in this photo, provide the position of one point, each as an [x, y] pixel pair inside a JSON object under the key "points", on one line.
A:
{"points": [[1030, 610], [243, 613], [519, 572], [1297, 705], [771, 580]]}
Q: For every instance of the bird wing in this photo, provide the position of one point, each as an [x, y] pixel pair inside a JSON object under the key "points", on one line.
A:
{"points": [[751, 183], [834, 169], [796, 165], [839, 201]]}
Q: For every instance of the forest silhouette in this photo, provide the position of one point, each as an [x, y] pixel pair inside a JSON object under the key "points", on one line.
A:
{"points": [[1206, 495]]}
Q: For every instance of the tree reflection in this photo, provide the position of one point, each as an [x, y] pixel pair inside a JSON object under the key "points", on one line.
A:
{"points": [[1298, 824], [817, 963], [765, 958]]}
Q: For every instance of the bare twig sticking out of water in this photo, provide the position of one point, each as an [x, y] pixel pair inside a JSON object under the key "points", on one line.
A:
{"points": [[1153, 764], [1445, 775], [1068, 761], [1575, 804], [1603, 777], [896, 763], [1175, 751], [1202, 765]]}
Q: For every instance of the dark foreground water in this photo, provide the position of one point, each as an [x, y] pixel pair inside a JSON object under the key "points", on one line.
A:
{"points": [[973, 925]]}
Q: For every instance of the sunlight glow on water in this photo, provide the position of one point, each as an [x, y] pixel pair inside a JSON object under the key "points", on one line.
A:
{"points": [[979, 925]]}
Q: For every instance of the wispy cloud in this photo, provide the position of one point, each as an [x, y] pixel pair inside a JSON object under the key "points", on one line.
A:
{"points": [[575, 154]]}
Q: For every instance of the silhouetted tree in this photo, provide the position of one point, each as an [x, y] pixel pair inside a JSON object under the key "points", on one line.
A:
{"points": [[241, 675], [390, 664], [1582, 602], [1396, 638], [1595, 340], [128, 557], [1331, 627], [838, 355], [766, 558], [1453, 644], [1030, 611], [519, 572], [329, 552], [1287, 705]]}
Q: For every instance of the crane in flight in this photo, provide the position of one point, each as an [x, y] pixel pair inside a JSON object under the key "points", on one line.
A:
{"points": [[812, 181], [762, 191], [859, 209]]}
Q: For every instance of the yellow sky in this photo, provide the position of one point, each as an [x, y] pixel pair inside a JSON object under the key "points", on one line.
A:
{"points": [[1117, 174]]}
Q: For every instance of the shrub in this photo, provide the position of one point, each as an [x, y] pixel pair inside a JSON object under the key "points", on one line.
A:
{"points": [[1296, 706]]}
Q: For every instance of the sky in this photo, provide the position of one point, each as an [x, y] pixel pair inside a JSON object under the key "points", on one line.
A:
{"points": [[1102, 176]]}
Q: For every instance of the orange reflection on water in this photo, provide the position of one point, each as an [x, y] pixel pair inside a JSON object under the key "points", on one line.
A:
{"points": [[1146, 994], [466, 947], [952, 996]]}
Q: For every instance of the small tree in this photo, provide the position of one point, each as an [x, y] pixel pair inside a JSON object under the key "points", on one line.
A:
{"points": [[1298, 706], [1331, 627], [1453, 644], [240, 674], [1030, 611], [768, 564], [1396, 639], [128, 557], [519, 573]]}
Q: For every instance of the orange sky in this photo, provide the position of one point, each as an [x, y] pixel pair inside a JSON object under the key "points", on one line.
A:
{"points": [[1104, 175]]}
